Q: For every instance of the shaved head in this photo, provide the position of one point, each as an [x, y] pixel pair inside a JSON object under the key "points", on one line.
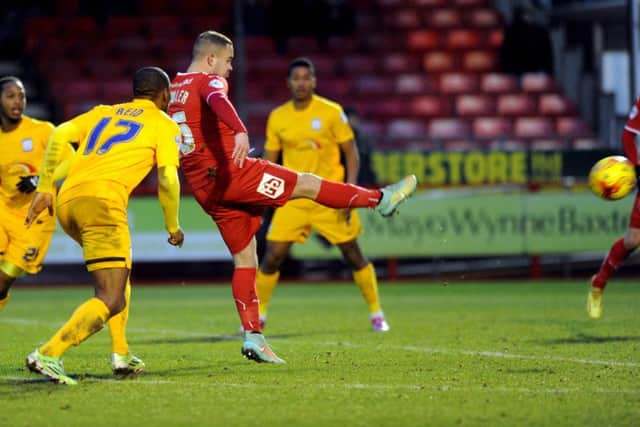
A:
{"points": [[208, 41], [149, 82]]}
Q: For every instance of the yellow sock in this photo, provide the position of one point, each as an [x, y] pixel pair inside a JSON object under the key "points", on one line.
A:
{"points": [[265, 284], [118, 325], [88, 319], [367, 281], [4, 302]]}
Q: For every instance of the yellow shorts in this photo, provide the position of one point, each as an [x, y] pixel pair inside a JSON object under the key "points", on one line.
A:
{"points": [[100, 226], [294, 221], [24, 247]]}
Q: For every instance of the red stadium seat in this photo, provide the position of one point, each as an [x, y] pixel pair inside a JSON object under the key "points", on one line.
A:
{"points": [[464, 39], [453, 83], [268, 66], [470, 3], [413, 84], [509, 144], [430, 106], [359, 64], [516, 105], [479, 60], [423, 40], [406, 128], [443, 18], [496, 37], [475, 105], [374, 85], [482, 18], [118, 26], [572, 126], [538, 82], [585, 143], [396, 62], [498, 83], [166, 27], [546, 144], [116, 91], [258, 45], [439, 61], [459, 145], [533, 127], [448, 128], [325, 65], [402, 19], [430, 3], [80, 89], [386, 108], [300, 45], [335, 88], [491, 127], [555, 104]]}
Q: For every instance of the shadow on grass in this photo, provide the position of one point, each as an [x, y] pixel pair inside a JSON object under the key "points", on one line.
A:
{"points": [[591, 339], [204, 339]]}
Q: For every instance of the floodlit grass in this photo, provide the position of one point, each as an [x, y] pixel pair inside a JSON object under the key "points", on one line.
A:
{"points": [[490, 354]]}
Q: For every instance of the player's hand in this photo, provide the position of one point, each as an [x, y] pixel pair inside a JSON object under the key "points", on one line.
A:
{"points": [[28, 184], [240, 149], [347, 215], [176, 238], [40, 202]]}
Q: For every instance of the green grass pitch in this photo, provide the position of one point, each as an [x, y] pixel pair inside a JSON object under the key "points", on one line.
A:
{"points": [[485, 354]]}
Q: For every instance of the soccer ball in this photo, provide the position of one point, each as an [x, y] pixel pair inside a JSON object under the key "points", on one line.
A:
{"points": [[612, 178]]}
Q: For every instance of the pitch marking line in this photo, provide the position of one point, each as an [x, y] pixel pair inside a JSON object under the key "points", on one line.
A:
{"points": [[357, 386]]}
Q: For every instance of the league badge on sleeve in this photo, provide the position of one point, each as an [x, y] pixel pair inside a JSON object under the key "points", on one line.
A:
{"points": [[216, 84]]}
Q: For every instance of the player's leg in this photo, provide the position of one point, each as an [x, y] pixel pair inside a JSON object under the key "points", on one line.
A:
{"points": [[340, 195], [364, 275], [619, 252], [269, 273], [122, 360], [8, 274]]}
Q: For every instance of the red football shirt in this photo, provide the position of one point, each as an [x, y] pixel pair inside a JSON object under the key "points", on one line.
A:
{"points": [[208, 123]]}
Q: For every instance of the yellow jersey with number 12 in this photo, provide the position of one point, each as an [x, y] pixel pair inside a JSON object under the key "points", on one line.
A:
{"points": [[119, 145]]}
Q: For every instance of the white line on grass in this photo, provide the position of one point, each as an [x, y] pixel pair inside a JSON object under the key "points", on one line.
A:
{"points": [[491, 354], [494, 354], [357, 386]]}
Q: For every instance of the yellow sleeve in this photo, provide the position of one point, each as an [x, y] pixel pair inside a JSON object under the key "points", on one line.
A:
{"points": [[57, 148], [65, 160], [341, 128], [169, 196], [168, 142], [273, 141]]}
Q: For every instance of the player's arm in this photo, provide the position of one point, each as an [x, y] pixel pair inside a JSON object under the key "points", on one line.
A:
{"points": [[352, 161], [225, 111], [169, 197]]}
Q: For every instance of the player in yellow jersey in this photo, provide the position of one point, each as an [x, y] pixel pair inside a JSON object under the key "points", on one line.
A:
{"points": [[23, 141], [118, 146], [310, 132]]}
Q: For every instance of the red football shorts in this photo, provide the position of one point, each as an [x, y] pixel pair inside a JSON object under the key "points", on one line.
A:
{"points": [[236, 202]]}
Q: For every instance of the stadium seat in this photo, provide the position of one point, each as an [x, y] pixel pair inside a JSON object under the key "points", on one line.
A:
{"points": [[442, 18], [518, 104], [479, 60], [585, 143], [335, 88], [439, 61], [546, 144], [572, 126], [387, 108], [166, 27], [374, 85], [470, 3], [402, 19], [79, 89], [533, 127], [475, 105], [413, 84], [258, 45], [555, 104], [482, 18], [406, 128], [116, 91], [464, 39], [454, 83], [421, 40], [491, 127], [498, 83], [302, 45], [430, 106], [448, 128], [359, 64], [396, 62], [507, 144], [268, 66], [324, 64], [538, 82], [496, 38], [430, 3], [459, 145], [118, 26]]}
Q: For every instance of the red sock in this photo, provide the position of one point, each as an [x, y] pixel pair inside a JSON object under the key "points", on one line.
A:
{"points": [[339, 195], [616, 256], [243, 286]]}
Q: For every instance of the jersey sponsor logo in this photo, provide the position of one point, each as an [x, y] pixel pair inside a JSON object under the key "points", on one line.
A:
{"points": [[216, 83], [27, 145], [316, 124], [271, 186], [634, 112]]}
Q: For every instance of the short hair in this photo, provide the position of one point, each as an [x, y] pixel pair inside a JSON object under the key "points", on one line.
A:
{"points": [[149, 82], [301, 62], [8, 79], [215, 38]]}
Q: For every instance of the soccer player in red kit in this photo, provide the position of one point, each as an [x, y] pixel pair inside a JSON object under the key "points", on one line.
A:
{"points": [[234, 189], [625, 245]]}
